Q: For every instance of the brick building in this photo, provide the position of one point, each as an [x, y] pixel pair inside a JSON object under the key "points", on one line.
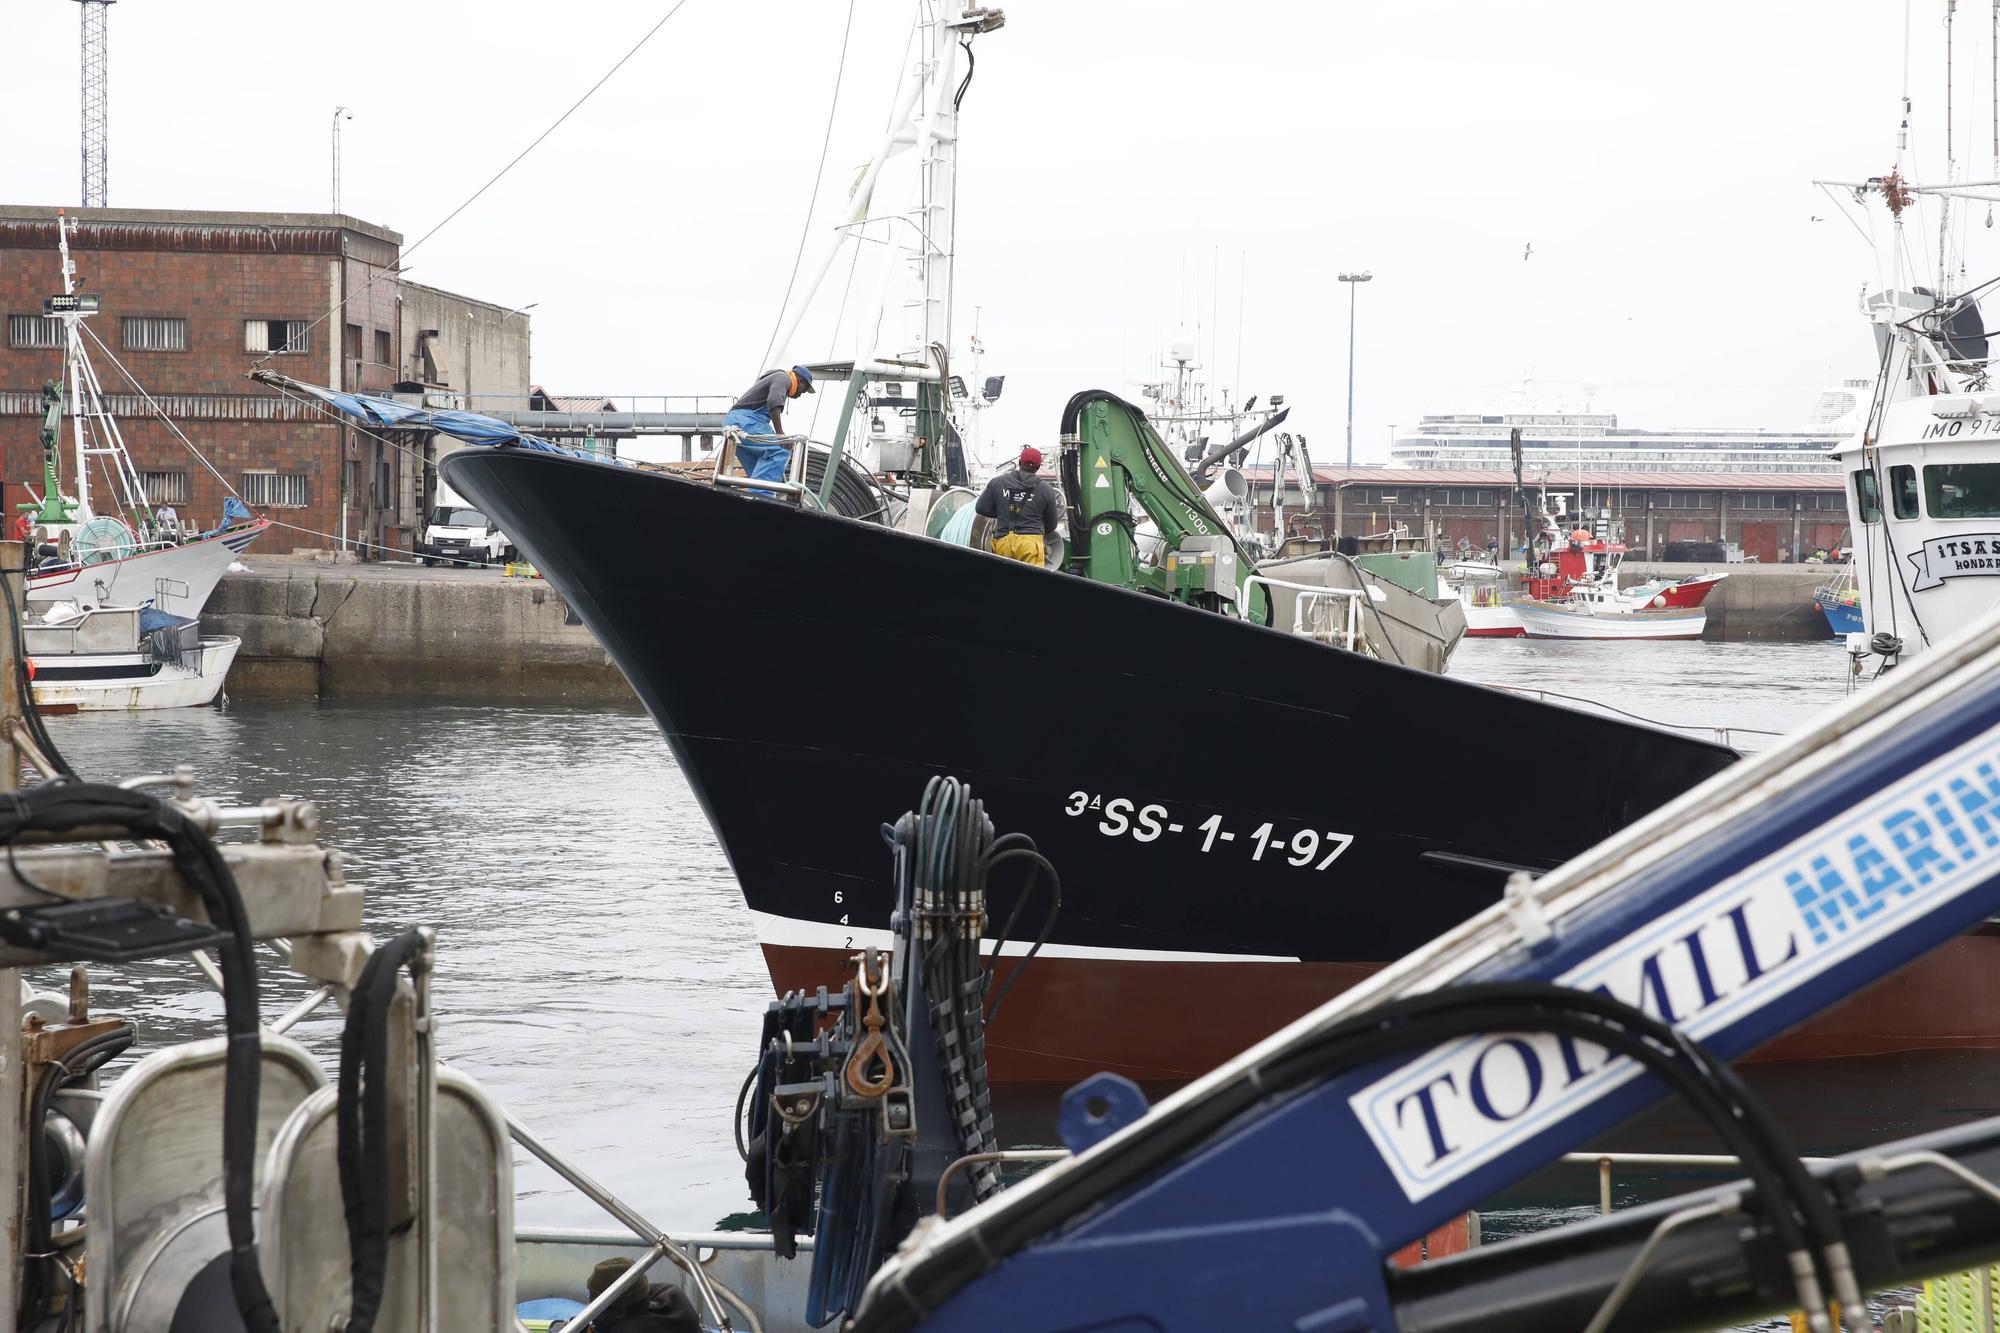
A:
{"points": [[190, 302], [1774, 517]]}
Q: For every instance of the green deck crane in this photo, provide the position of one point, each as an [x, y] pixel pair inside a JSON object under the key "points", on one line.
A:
{"points": [[1111, 456], [52, 508]]}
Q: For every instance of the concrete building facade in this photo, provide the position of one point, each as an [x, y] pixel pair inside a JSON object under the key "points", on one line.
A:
{"points": [[1773, 517], [190, 303]]}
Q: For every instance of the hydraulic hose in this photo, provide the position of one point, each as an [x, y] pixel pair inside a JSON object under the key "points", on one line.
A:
{"points": [[854, 494], [23, 685], [363, 1125], [59, 807], [39, 1222]]}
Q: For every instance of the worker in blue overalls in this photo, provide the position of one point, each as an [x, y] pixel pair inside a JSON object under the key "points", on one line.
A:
{"points": [[758, 414]]}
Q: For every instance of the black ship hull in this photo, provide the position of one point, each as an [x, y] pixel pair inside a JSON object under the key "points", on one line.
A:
{"points": [[1245, 821]]}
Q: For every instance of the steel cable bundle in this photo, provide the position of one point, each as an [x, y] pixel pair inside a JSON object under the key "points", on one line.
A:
{"points": [[943, 885]]}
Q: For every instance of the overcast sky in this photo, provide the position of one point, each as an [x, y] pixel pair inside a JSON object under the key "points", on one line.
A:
{"points": [[1125, 168]]}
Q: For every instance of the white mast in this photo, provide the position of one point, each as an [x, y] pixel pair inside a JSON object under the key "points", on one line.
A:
{"points": [[75, 365], [934, 215], [86, 400], [926, 118]]}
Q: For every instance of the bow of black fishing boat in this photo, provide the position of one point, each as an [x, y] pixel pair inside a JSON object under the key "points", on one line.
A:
{"points": [[1231, 807]]}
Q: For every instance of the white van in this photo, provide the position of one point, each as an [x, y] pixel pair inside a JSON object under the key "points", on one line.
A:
{"points": [[460, 534]]}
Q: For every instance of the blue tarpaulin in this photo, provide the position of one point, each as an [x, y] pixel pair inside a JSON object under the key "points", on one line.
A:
{"points": [[386, 413]]}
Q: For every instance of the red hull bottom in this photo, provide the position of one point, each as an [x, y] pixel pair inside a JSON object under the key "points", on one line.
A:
{"points": [[1165, 1021], [1511, 632]]}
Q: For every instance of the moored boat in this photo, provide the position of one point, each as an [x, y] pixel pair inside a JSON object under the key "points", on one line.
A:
{"points": [[1581, 619], [1234, 808], [141, 554], [176, 577], [1179, 877], [1488, 613], [1839, 600], [117, 659]]}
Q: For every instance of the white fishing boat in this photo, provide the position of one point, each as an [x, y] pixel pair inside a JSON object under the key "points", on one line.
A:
{"points": [[117, 659], [1923, 489], [1488, 614], [1585, 620], [136, 554]]}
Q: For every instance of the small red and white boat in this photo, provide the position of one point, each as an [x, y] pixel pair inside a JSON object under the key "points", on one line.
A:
{"points": [[1574, 593], [1576, 596]]}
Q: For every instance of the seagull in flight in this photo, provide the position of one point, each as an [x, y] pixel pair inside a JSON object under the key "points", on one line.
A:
{"points": [[1525, 253]]}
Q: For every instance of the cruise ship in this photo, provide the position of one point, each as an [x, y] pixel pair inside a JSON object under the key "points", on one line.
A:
{"points": [[1559, 435]]}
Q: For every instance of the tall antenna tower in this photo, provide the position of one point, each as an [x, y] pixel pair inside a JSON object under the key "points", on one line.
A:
{"points": [[96, 88]]}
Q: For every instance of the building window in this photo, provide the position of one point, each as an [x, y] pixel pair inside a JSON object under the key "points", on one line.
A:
{"points": [[165, 488], [34, 331], [383, 352], [1828, 500], [1961, 490], [147, 333], [287, 337], [350, 346], [1760, 500], [275, 490]]}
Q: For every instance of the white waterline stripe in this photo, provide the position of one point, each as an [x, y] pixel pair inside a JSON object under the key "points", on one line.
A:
{"points": [[790, 932]]}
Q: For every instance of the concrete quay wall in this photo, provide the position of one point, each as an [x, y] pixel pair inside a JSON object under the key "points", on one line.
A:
{"points": [[1755, 601], [311, 629]]}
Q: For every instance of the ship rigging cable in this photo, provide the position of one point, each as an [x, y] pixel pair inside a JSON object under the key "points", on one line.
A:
{"points": [[319, 408], [515, 161], [819, 173]]}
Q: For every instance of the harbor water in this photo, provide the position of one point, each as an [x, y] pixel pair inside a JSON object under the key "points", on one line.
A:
{"points": [[598, 971]]}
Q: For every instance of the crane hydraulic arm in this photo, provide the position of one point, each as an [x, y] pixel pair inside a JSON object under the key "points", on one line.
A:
{"points": [[1272, 1192], [53, 508], [1111, 456]]}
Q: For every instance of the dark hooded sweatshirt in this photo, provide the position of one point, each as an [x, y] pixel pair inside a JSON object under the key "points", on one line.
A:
{"points": [[1019, 501]]}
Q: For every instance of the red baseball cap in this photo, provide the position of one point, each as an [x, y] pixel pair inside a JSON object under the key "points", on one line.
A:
{"points": [[1031, 457]]}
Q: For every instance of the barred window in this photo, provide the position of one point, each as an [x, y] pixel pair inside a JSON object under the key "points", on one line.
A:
{"points": [[148, 333], [165, 488], [34, 331], [283, 336], [275, 490]]}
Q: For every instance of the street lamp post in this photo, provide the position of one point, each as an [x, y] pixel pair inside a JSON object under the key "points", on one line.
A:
{"points": [[340, 113], [1352, 280]]}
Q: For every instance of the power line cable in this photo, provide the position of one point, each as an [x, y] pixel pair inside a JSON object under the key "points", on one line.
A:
{"points": [[515, 161]]}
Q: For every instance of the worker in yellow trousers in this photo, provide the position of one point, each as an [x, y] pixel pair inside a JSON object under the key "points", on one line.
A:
{"points": [[1024, 509]]}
